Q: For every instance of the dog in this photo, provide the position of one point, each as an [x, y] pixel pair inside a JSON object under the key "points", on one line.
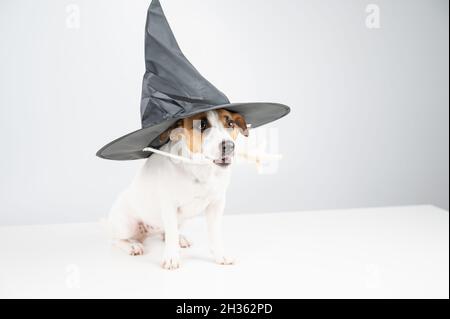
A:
{"points": [[165, 192]]}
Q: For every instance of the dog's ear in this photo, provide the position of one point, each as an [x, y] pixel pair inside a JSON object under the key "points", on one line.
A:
{"points": [[164, 137], [167, 135], [241, 124]]}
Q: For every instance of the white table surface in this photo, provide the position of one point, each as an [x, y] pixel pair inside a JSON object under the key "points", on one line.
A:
{"points": [[400, 252]]}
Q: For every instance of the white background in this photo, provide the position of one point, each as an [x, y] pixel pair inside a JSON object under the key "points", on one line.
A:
{"points": [[369, 122]]}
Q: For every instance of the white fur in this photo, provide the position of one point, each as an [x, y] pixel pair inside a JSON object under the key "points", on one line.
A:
{"points": [[165, 193]]}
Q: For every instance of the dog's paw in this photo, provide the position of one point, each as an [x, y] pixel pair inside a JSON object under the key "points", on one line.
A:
{"points": [[136, 249], [184, 242], [171, 262], [131, 247], [225, 260]]}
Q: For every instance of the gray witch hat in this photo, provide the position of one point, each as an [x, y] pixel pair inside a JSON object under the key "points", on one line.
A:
{"points": [[172, 90]]}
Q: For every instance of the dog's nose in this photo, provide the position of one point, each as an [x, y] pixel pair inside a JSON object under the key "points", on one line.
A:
{"points": [[227, 147]]}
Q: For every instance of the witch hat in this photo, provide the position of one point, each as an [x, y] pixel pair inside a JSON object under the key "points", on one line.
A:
{"points": [[172, 90]]}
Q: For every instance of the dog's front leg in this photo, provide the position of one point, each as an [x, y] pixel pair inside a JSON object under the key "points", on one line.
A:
{"points": [[171, 259], [214, 213]]}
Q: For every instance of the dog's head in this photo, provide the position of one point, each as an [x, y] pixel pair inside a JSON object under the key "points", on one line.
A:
{"points": [[212, 134]]}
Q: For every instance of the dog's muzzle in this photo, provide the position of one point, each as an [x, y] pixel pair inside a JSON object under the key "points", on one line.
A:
{"points": [[227, 152]]}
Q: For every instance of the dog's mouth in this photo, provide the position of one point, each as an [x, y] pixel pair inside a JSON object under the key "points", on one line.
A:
{"points": [[225, 161]]}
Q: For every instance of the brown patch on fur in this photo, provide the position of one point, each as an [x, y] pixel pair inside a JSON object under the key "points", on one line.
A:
{"points": [[193, 133], [233, 121], [185, 128]]}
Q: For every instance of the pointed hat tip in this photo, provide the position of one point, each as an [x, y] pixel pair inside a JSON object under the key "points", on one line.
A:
{"points": [[155, 3]]}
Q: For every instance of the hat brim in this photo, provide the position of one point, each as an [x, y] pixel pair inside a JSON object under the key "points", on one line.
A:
{"points": [[130, 146]]}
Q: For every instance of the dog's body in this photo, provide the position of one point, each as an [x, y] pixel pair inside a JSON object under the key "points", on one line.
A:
{"points": [[165, 192]]}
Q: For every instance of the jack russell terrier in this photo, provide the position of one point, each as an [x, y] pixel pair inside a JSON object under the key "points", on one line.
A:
{"points": [[165, 192]]}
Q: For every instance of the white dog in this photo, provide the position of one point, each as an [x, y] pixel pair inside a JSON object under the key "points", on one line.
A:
{"points": [[165, 192]]}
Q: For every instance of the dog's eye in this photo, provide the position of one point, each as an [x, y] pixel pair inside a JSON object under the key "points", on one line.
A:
{"points": [[231, 123], [203, 124]]}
